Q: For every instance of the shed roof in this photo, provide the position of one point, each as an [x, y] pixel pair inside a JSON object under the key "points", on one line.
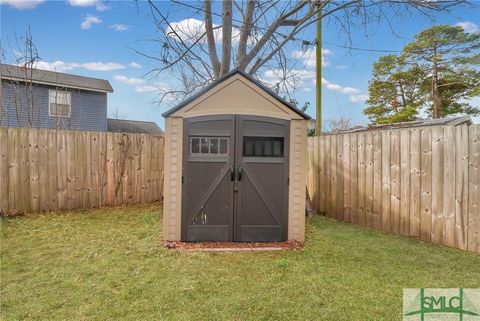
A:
{"points": [[51, 78], [227, 76], [133, 126], [447, 121]]}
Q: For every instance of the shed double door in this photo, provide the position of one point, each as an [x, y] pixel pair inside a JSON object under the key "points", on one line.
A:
{"points": [[235, 179]]}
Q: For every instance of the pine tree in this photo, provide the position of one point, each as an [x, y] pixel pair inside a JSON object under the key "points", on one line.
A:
{"points": [[437, 73]]}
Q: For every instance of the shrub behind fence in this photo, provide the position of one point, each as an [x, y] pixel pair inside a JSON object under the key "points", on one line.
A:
{"points": [[44, 170], [418, 182]]}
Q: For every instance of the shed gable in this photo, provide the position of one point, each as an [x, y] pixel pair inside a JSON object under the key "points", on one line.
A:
{"points": [[236, 95]]}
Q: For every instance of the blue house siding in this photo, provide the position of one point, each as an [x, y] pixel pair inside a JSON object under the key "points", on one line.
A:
{"points": [[88, 108]]}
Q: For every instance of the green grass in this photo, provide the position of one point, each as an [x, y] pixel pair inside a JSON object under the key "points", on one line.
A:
{"points": [[109, 264]]}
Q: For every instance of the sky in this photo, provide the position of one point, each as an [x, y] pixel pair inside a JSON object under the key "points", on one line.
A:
{"points": [[98, 39]]}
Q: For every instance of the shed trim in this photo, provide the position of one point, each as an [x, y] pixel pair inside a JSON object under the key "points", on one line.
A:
{"points": [[227, 76]]}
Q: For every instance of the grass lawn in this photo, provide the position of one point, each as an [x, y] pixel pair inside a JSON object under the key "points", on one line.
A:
{"points": [[108, 264]]}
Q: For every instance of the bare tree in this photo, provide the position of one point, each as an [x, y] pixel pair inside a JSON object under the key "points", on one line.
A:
{"points": [[341, 124], [255, 36], [117, 114], [29, 109]]}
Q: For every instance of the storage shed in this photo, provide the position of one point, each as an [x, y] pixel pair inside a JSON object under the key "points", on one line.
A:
{"points": [[235, 165]]}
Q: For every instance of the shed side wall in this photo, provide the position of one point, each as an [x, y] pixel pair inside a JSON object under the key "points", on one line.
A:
{"points": [[172, 205], [297, 174]]}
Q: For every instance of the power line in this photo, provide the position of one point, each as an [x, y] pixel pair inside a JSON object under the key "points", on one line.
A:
{"points": [[365, 49]]}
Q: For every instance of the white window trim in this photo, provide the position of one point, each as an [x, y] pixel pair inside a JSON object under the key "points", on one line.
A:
{"points": [[49, 103], [208, 154]]}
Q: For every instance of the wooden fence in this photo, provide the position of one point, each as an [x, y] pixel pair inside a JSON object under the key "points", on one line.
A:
{"points": [[418, 182], [43, 170]]}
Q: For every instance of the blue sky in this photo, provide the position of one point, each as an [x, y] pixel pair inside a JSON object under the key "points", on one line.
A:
{"points": [[94, 38]]}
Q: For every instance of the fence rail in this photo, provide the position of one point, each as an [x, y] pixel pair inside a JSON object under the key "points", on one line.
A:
{"points": [[43, 170], [418, 182]]}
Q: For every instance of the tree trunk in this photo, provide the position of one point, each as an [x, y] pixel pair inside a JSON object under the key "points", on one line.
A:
{"points": [[212, 50], [437, 101], [226, 37], [244, 35], [402, 94]]}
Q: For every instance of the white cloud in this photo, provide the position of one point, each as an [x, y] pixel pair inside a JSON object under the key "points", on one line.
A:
{"points": [[17, 54], [358, 98], [61, 66], [142, 86], [129, 81], [299, 78], [189, 30], [341, 67], [119, 27], [22, 4], [146, 89], [309, 57], [468, 26], [102, 66], [133, 64], [335, 87], [99, 5], [89, 21], [158, 87], [58, 66], [305, 80]]}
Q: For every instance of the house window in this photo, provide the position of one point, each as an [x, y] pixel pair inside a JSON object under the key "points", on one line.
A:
{"points": [[59, 104], [208, 146], [254, 146]]}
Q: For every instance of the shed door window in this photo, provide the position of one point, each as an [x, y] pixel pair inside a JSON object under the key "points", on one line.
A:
{"points": [[59, 103], [256, 146], [209, 146]]}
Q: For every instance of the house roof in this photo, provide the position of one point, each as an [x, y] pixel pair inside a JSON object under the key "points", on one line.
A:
{"points": [[225, 77], [44, 77], [448, 121], [132, 126]]}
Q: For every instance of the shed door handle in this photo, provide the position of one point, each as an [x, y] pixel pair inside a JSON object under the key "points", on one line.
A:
{"points": [[232, 173], [239, 173]]}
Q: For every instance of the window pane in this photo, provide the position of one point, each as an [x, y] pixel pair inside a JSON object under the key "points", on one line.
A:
{"points": [[278, 148], [204, 146], [63, 110], [224, 146], [195, 149], [267, 148], [53, 109], [213, 146], [257, 146], [62, 98]]}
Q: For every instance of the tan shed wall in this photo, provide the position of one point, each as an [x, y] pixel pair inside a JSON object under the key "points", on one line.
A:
{"points": [[172, 202], [298, 177], [234, 96]]}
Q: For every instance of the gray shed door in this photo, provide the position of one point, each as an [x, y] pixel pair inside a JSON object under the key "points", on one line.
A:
{"points": [[235, 179]]}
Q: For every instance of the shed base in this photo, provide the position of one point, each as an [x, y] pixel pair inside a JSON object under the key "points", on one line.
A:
{"points": [[234, 246]]}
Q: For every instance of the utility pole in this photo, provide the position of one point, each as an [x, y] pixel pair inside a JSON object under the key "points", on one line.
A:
{"points": [[319, 69]]}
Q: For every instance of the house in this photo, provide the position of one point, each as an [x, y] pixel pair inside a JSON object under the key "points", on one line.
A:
{"points": [[133, 126], [235, 165], [45, 99]]}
